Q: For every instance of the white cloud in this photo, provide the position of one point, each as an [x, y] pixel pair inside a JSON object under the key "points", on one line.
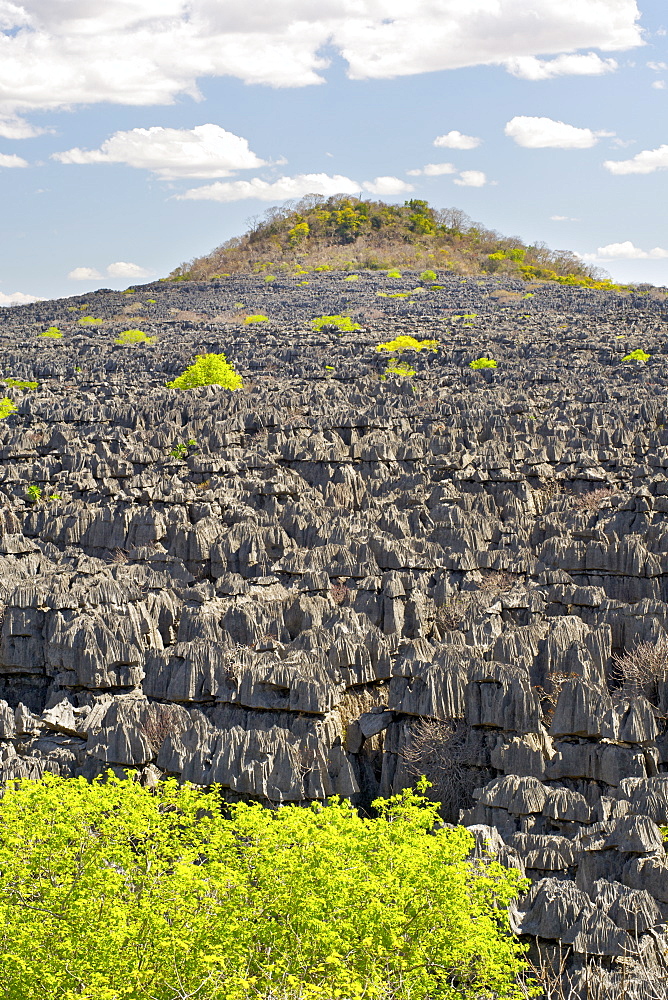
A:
{"points": [[387, 186], [457, 140], [471, 178], [83, 274], [659, 84], [125, 269], [658, 66], [433, 170], [14, 127], [12, 160], [531, 68], [17, 299], [563, 218], [627, 251], [645, 162], [60, 53], [203, 151], [279, 190], [545, 133]]}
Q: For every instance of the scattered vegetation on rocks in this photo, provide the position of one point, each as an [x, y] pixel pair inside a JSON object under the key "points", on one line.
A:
{"points": [[208, 369]]}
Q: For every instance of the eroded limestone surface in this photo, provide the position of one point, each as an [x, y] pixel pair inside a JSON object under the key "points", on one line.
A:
{"points": [[350, 580]]}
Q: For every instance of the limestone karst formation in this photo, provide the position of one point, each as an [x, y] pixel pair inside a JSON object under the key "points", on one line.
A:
{"points": [[332, 580]]}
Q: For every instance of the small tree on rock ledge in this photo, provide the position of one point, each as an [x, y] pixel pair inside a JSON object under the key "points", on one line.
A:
{"points": [[208, 369]]}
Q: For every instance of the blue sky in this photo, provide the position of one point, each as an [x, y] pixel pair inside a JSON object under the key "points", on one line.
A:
{"points": [[136, 134]]}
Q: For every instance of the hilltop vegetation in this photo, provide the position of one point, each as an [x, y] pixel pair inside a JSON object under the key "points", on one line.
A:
{"points": [[348, 233]]}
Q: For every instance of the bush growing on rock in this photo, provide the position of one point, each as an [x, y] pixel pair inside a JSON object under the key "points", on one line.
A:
{"points": [[113, 892], [405, 343], [342, 323], [52, 332], [134, 337], [208, 369], [482, 363], [7, 407], [637, 355], [258, 318]]}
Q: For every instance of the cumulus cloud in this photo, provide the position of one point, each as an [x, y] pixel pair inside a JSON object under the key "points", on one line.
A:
{"points": [[83, 274], [125, 269], [433, 170], [645, 162], [471, 178], [627, 251], [17, 299], [147, 52], [387, 186], [12, 160], [563, 218], [457, 140], [15, 127], [279, 190], [203, 151], [119, 269], [659, 84], [531, 68], [545, 133]]}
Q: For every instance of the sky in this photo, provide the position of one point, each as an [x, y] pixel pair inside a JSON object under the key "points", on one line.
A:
{"points": [[138, 134]]}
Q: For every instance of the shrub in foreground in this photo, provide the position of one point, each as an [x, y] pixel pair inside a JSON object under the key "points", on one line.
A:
{"points": [[482, 363], [208, 369], [111, 892]]}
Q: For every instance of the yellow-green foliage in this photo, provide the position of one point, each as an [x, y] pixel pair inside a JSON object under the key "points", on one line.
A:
{"points": [[208, 369], [134, 337], [394, 274], [482, 363], [19, 383], [7, 407], [637, 355], [257, 318], [342, 323], [90, 321], [400, 368], [405, 343], [429, 276], [111, 891], [53, 331]]}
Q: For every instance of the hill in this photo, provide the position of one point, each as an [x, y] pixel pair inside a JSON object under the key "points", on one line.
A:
{"points": [[345, 233]]}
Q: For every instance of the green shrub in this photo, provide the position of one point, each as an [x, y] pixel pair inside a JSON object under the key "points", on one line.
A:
{"points": [[53, 331], [394, 274], [405, 343], [34, 493], [208, 369], [134, 337], [90, 321], [270, 277], [7, 406], [111, 891], [352, 277], [19, 383], [400, 368], [342, 323], [258, 318], [637, 355], [429, 276], [482, 363]]}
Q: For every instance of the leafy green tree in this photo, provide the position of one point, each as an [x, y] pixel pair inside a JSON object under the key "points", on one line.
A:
{"points": [[208, 369], [109, 891], [407, 343], [428, 276], [482, 363]]}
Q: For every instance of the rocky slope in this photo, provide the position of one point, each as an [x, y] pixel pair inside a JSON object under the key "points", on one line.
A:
{"points": [[348, 580]]}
